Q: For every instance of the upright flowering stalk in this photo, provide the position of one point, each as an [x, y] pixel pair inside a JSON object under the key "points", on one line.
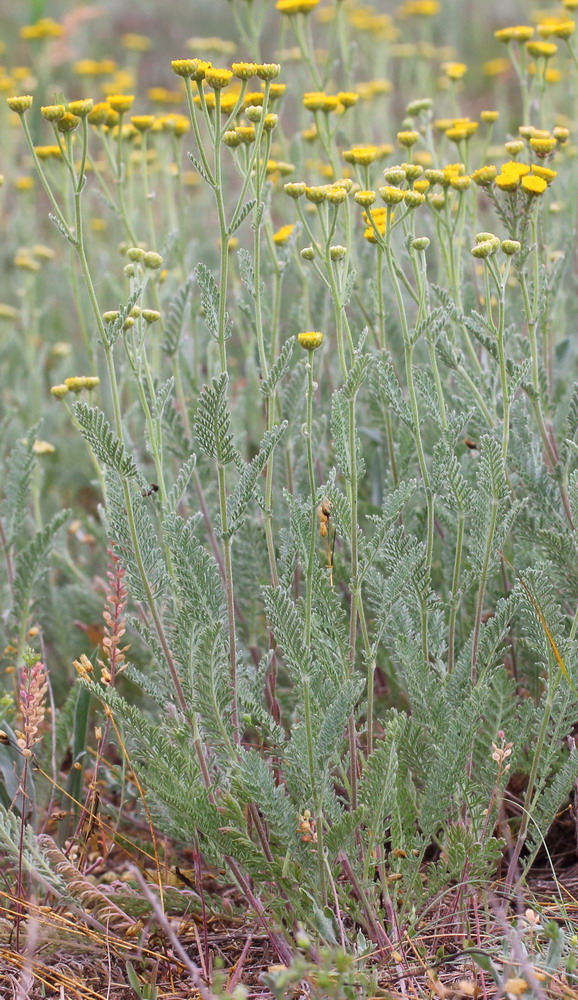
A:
{"points": [[32, 697], [310, 341]]}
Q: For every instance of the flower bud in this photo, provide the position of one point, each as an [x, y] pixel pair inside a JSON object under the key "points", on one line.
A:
{"points": [[408, 138], [484, 249], [20, 104], [510, 247], [365, 198], [295, 189], [420, 243], [268, 71], [135, 253], [308, 253], [81, 108], [152, 260], [414, 199], [394, 175], [231, 139], [53, 112], [310, 341], [337, 252], [59, 391], [391, 195], [151, 315]]}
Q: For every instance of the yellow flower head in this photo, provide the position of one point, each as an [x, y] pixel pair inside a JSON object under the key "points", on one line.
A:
{"points": [[318, 100], [419, 8], [518, 33], [310, 340], [121, 102], [543, 50], [218, 79], [391, 195], [454, 70], [542, 146], [283, 235], [244, 70], [560, 29], [246, 133], [86, 67], [81, 108], [195, 69], [561, 134], [268, 71], [408, 138], [76, 383], [363, 155], [484, 176], [413, 199], [365, 198], [496, 67], [515, 168], [296, 6], [347, 98], [534, 185], [68, 122], [48, 152], [276, 91], [489, 117], [59, 391], [316, 193], [544, 172], [45, 28], [295, 189], [101, 114], [43, 447], [460, 183], [20, 104], [53, 112], [135, 43], [142, 123], [507, 182]]}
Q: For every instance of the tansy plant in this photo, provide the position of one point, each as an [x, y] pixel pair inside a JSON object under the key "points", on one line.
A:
{"points": [[328, 438]]}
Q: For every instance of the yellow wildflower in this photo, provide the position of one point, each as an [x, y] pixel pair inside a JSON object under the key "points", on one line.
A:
{"points": [[454, 70], [296, 6], [121, 102], [43, 447], [283, 234], [81, 108], [515, 168], [544, 172], [495, 67], [20, 104], [363, 155], [134, 42], [507, 182], [534, 185], [310, 340], [544, 50], [543, 146], [518, 33], [408, 138], [218, 79], [484, 176]]}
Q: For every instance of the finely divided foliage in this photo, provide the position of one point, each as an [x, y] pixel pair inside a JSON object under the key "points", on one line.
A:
{"points": [[327, 493]]}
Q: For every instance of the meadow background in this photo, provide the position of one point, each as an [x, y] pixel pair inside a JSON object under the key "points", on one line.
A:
{"points": [[289, 669]]}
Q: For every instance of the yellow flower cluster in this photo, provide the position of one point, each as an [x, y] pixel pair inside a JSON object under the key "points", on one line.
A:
{"points": [[296, 6], [44, 28], [320, 101]]}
